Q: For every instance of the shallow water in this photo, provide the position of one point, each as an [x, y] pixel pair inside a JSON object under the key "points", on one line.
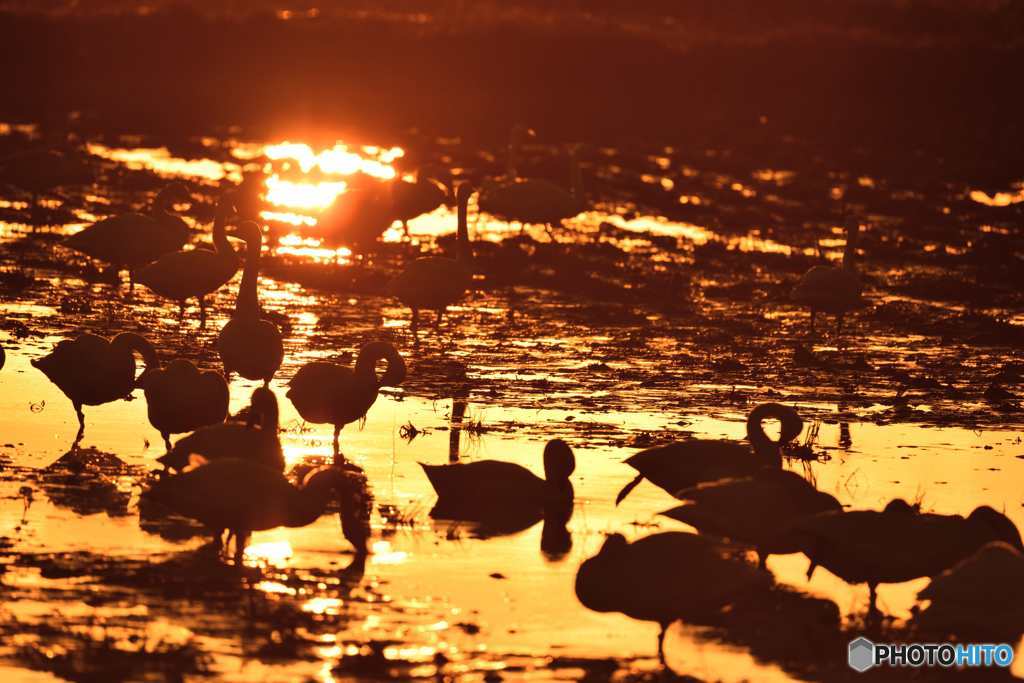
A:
{"points": [[895, 415]]}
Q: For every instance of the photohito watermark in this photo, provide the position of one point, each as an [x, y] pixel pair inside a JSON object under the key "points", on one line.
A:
{"points": [[864, 654]]}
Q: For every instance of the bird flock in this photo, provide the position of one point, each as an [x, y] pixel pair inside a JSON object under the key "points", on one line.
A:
{"points": [[229, 474]]}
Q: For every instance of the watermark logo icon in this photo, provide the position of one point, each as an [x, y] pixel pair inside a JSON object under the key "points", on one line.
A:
{"points": [[861, 654]]}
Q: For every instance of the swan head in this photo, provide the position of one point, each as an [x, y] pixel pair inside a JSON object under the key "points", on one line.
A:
{"points": [[246, 230], [559, 461], [987, 524], [174, 193]]}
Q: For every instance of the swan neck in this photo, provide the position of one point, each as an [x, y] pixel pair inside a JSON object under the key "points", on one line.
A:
{"points": [[135, 343], [514, 144], [850, 251], [366, 363], [220, 236], [248, 303], [463, 252], [575, 176]]}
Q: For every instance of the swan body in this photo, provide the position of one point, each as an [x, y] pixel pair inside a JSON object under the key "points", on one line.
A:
{"points": [[436, 282], [492, 489], [358, 217], [533, 201], [132, 240], [833, 290], [756, 510], [236, 495], [328, 393], [247, 344], [181, 398], [664, 577], [898, 543], [194, 273], [412, 198], [257, 442], [91, 370], [982, 596], [685, 464]]}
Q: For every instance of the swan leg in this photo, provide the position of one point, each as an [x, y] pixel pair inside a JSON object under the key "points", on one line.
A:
{"points": [[437, 322], [873, 593], [415, 319], [814, 313], [131, 281], [405, 227], [167, 441], [839, 325], [762, 560], [241, 540], [661, 643], [337, 433], [202, 312], [181, 312], [81, 423]]}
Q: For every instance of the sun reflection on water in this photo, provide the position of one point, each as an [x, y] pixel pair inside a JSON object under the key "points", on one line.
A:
{"points": [[270, 553]]}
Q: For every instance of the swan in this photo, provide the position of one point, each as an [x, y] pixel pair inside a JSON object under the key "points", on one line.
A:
{"points": [[534, 201], [328, 393], [981, 596], [91, 370], [664, 577], [755, 510], [830, 289], [236, 495], [257, 441], [412, 198], [683, 464], [133, 240], [896, 544], [194, 273], [436, 282], [247, 344], [181, 398], [358, 217], [492, 490]]}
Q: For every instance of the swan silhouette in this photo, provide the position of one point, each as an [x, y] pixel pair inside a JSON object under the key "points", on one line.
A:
{"points": [[534, 201], [683, 464], [256, 441], [91, 370], [492, 491], [896, 544], [247, 344], [436, 282], [412, 198], [181, 398], [982, 596], [756, 510], [328, 393], [833, 290], [665, 577], [133, 240], [195, 273], [358, 217], [235, 495]]}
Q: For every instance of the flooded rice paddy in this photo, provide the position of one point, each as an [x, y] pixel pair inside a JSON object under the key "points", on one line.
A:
{"points": [[661, 312]]}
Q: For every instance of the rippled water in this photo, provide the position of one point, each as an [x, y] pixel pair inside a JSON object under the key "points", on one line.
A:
{"points": [[609, 376]]}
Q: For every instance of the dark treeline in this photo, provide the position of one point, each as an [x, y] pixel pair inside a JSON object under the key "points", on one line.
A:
{"points": [[178, 72]]}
